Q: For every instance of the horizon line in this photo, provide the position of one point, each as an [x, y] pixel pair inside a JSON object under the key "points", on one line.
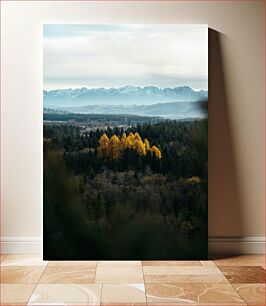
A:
{"points": [[141, 87]]}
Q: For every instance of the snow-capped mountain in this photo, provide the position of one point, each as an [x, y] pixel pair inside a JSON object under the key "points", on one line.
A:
{"points": [[127, 95]]}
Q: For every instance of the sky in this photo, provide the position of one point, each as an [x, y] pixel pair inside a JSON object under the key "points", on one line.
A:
{"points": [[95, 55]]}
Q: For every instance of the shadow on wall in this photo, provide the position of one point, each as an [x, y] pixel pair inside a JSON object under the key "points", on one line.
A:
{"points": [[224, 198]]}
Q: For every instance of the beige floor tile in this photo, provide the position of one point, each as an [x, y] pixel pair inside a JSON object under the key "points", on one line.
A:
{"points": [[192, 293], [186, 279], [127, 304], [16, 293], [73, 263], [242, 260], [2, 257], [119, 263], [15, 304], [73, 294], [23, 260], [123, 293], [119, 274], [208, 263], [68, 275], [251, 293], [180, 270], [21, 275], [171, 263], [183, 275], [195, 304]]}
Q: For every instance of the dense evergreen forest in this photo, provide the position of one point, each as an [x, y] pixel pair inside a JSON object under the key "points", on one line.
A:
{"points": [[119, 193]]}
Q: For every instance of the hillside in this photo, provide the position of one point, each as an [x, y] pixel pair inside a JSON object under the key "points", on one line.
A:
{"points": [[174, 110]]}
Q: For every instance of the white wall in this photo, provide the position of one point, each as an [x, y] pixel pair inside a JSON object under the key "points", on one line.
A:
{"points": [[236, 109]]}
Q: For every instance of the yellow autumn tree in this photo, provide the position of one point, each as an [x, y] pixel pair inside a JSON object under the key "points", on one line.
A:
{"points": [[147, 144], [103, 147], [139, 146], [114, 148], [130, 141], [123, 141], [156, 152], [137, 136]]}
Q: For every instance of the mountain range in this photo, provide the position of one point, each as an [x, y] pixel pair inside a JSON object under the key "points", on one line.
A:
{"points": [[126, 95], [172, 110]]}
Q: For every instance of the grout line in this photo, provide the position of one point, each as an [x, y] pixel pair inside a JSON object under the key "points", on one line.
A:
{"points": [[237, 293], [98, 284], [173, 283], [248, 284], [37, 283], [144, 282], [229, 282], [101, 294]]}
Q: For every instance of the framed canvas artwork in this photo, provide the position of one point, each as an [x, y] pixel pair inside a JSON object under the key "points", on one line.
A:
{"points": [[125, 124]]}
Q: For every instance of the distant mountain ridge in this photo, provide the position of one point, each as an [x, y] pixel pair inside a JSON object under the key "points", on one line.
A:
{"points": [[126, 95], [172, 110]]}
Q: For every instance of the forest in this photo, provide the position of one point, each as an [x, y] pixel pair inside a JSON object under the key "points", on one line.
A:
{"points": [[98, 119], [117, 193]]}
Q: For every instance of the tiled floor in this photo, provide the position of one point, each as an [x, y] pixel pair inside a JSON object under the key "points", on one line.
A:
{"points": [[27, 280]]}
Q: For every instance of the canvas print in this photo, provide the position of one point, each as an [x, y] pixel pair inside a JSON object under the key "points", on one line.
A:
{"points": [[125, 123]]}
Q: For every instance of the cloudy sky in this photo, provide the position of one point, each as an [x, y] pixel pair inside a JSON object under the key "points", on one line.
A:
{"points": [[119, 55]]}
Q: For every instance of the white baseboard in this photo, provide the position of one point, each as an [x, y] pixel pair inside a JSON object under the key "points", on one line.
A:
{"points": [[236, 245], [217, 245], [21, 245]]}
